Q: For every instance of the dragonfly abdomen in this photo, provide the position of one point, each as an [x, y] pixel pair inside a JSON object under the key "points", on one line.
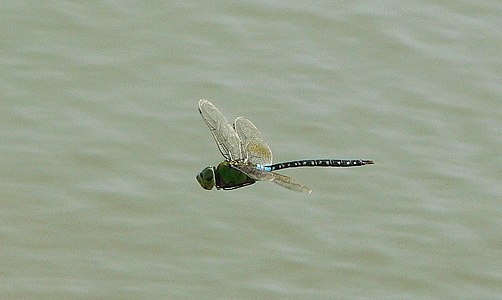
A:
{"points": [[317, 163]]}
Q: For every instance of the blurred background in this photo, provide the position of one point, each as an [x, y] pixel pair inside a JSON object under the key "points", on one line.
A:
{"points": [[100, 142]]}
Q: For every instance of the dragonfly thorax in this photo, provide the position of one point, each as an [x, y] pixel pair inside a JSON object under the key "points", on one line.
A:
{"points": [[228, 177]]}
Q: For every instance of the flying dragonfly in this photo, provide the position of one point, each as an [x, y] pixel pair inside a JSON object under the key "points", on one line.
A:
{"points": [[248, 157]]}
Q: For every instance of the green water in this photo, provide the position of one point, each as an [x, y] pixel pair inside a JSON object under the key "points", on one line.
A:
{"points": [[100, 142]]}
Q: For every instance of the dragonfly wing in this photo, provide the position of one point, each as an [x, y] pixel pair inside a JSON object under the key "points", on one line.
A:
{"points": [[282, 180], [225, 136], [255, 148], [290, 183]]}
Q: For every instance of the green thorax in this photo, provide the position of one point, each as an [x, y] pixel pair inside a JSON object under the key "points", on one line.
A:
{"points": [[229, 178]]}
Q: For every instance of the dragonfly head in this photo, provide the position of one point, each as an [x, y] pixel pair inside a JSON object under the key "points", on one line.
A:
{"points": [[206, 178]]}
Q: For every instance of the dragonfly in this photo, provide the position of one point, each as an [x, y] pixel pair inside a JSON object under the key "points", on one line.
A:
{"points": [[248, 157]]}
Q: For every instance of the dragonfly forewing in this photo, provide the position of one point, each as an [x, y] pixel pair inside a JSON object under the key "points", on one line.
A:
{"points": [[282, 180], [224, 134], [255, 148]]}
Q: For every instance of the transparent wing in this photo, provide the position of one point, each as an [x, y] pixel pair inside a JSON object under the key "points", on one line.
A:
{"points": [[282, 180], [225, 136], [255, 148]]}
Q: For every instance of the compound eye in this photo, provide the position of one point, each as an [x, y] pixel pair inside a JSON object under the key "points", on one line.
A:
{"points": [[207, 174]]}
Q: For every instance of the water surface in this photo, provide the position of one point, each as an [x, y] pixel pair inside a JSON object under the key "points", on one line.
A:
{"points": [[101, 141]]}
